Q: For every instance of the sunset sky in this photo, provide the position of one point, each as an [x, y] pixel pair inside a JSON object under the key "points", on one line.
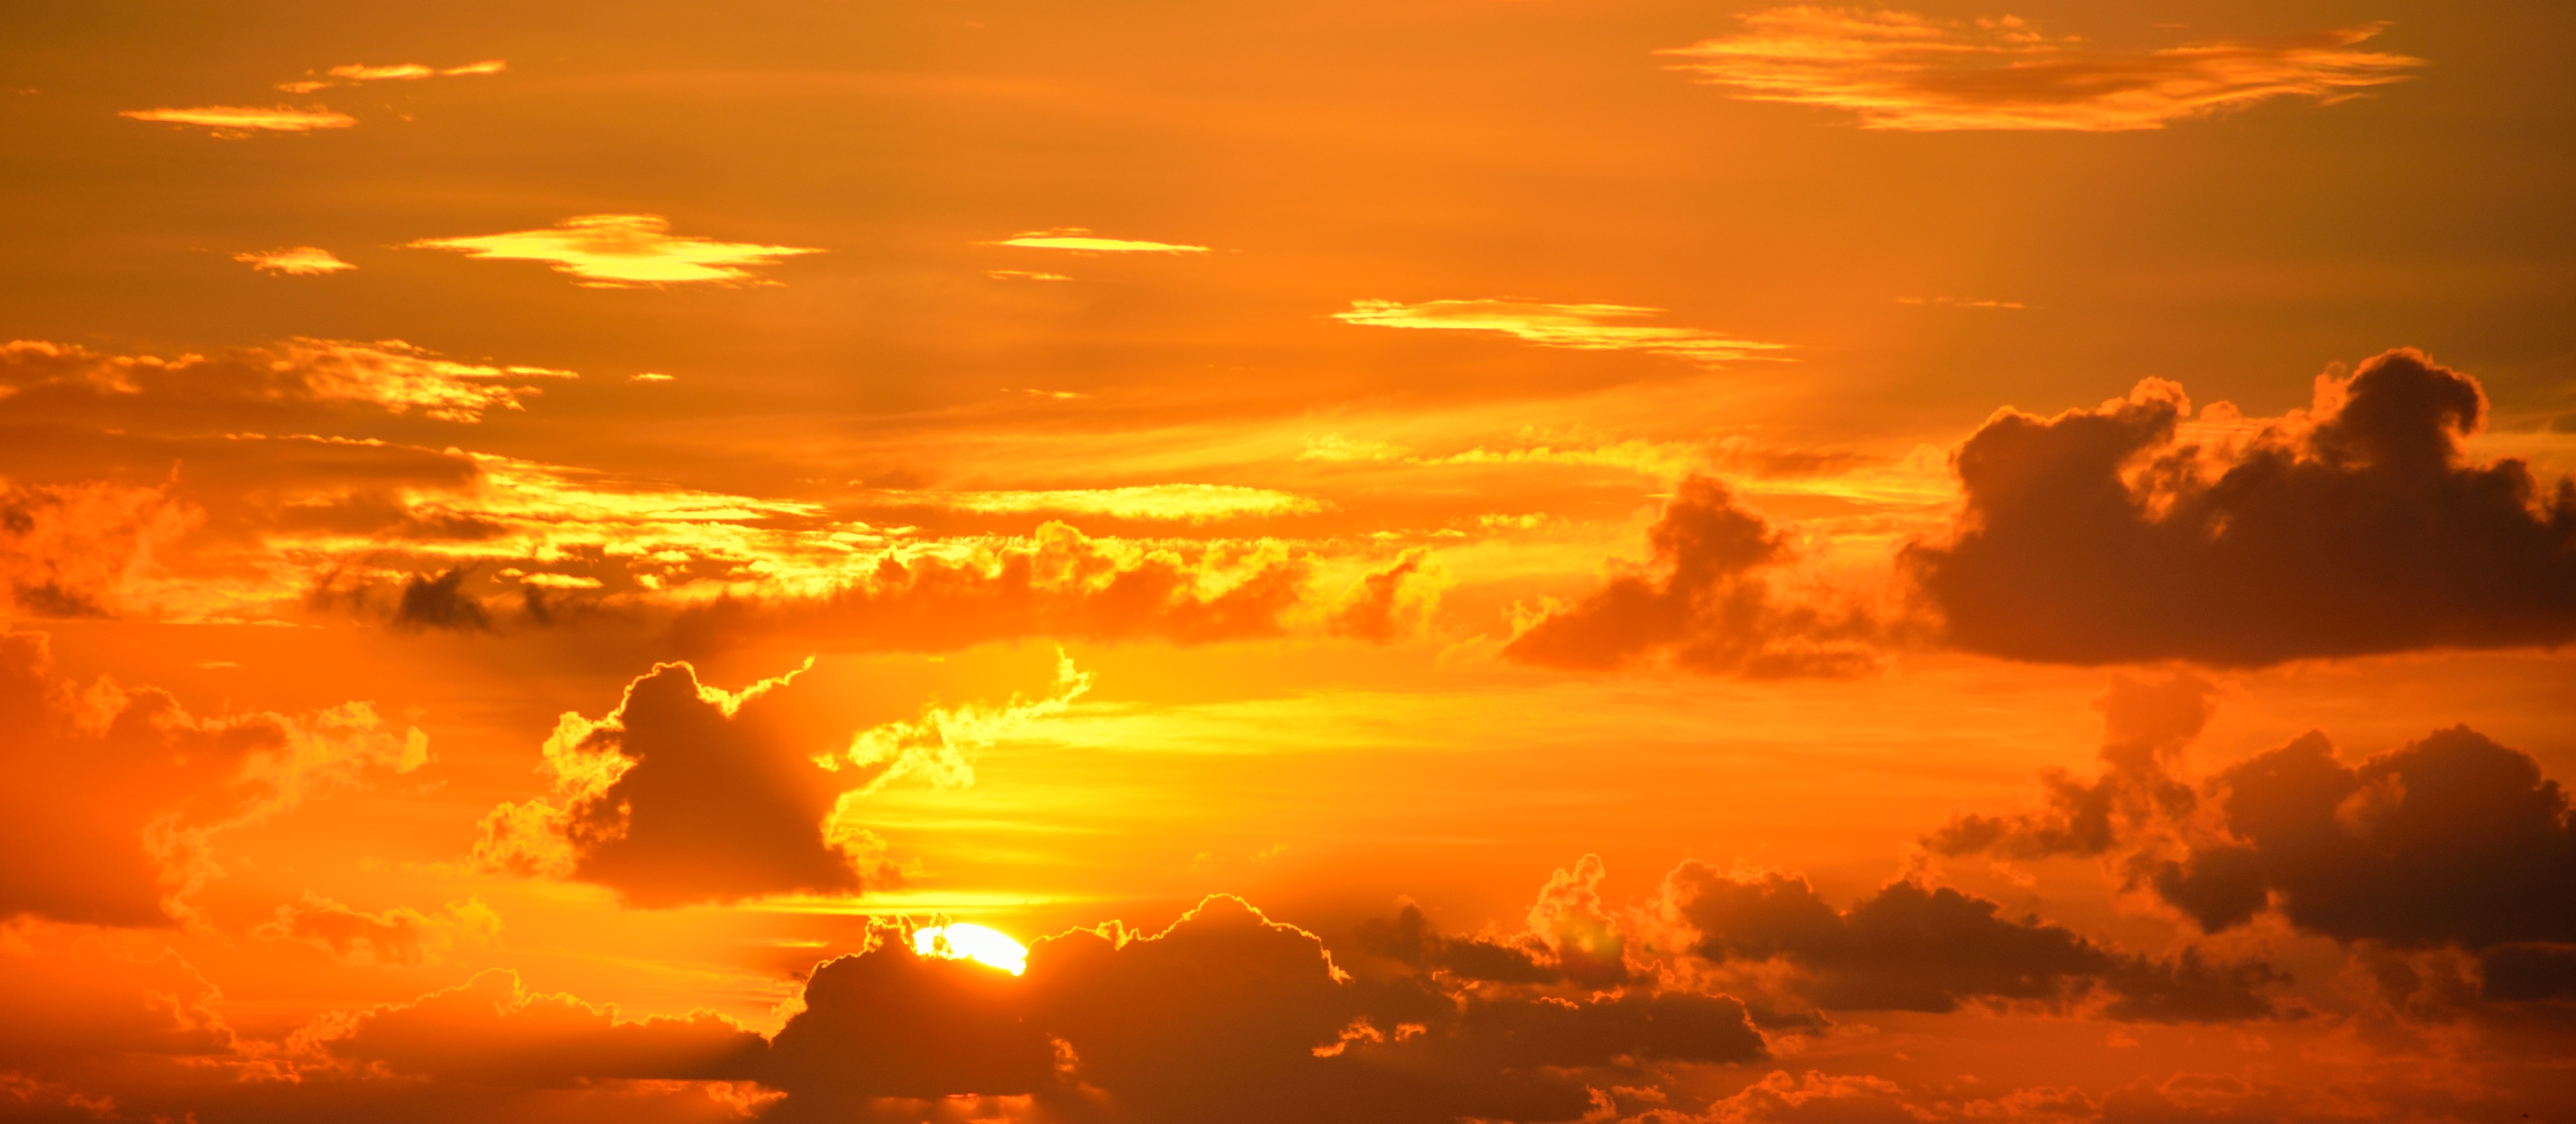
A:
{"points": [[1408, 561]]}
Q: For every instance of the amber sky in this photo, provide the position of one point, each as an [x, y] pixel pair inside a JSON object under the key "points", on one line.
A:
{"points": [[1463, 560]]}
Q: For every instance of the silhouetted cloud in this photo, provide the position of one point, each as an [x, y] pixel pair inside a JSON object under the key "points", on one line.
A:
{"points": [[493, 1031], [1898, 70], [1710, 609], [2360, 526], [1912, 947], [2146, 726], [1583, 327], [614, 251], [688, 793]]}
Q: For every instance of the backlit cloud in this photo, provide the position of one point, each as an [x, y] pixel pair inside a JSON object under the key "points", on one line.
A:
{"points": [[612, 251], [354, 73], [242, 121], [1084, 241], [1898, 70], [301, 261], [1586, 327]]}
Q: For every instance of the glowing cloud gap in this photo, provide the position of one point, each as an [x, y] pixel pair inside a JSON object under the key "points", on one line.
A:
{"points": [[1196, 503], [242, 121], [299, 261], [1082, 240], [1899, 70], [617, 251], [1583, 327]]}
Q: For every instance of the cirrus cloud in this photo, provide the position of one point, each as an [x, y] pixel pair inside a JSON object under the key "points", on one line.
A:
{"points": [[1899, 70], [1582, 327], [243, 121]]}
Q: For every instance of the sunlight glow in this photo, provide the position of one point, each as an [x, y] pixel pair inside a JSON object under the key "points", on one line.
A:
{"points": [[965, 941]]}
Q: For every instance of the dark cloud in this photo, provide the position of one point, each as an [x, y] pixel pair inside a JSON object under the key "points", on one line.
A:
{"points": [[684, 794], [107, 794], [1386, 604], [429, 602], [2146, 727], [1705, 603], [2361, 526], [2450, 840], [1916, 948], [492, 1031]]}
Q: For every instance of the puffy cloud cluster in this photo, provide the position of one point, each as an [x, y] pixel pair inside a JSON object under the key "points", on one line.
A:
{"points": [[2359, 526], [2452, 842], [688, 793], [108, 794], [1912, 947], [1710, 608]]}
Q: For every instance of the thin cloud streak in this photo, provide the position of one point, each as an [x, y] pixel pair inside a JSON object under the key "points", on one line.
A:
{"points": [[1082, 240], [1899, 70], [242, 121], [1583, 327], [354, 73], [299, 261], [1197, 503], [618, 251]]}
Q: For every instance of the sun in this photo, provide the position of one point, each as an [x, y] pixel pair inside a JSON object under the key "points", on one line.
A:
{"points": [[963, 941]]}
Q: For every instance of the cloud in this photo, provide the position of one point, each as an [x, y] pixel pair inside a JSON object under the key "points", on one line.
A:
{"points": [[1057, 582], [66, 380], [616, 251], [108, 795], [355, 73], [1711, 610], [298, 261], [688, 793], [1583, 327], [1081, 240], [2359, 526], [2147, 727], [243, 121], [1898, 70], [399, 935], [492, 1031], [1195, 503], [2450, 840], [1392, 602], [1912, 947], [81, 550], [1962, 302]]}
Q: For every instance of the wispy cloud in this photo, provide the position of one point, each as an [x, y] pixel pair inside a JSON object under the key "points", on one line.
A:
{"points": [[652, 376], [1961, 302], [1586, 327], [1196, 503], [242, 120], [1083, 240], [1898, 70], [1024, 275], [613, 251], [355, 73], [301, 261]]}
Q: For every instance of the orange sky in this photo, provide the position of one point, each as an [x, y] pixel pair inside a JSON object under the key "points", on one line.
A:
{"points": [[1476, 560]]}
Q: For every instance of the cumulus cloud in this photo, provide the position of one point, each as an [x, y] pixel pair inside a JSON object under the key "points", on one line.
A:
{"points": [[108, 795], [1705, 603], [1082, 240], [1898, 70], [688, 793], [1392, 602], [1582, 327], [296, 261], [2147, 725], [617, 251], [491, 1030], [2128, 533], [242, 121], [1912, 947], [72, 382]]}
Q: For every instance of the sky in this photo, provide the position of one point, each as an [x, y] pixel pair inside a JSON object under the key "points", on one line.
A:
{"points": [[1412, 561]]}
